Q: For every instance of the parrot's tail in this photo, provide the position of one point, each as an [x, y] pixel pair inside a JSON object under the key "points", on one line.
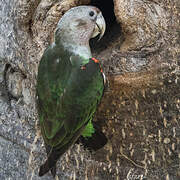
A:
{"points": [[45, 168], [55, 153], [50, 164], [53, 171]]}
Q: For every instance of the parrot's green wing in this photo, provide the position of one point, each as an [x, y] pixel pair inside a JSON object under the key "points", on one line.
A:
{"points": [[53, 74], [68, 94]]}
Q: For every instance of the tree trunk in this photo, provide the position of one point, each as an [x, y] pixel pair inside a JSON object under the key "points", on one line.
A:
{"points": [[140, 110]]}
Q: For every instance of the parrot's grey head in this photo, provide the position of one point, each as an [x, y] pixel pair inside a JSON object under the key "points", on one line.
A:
{"points": [[78, 25]]}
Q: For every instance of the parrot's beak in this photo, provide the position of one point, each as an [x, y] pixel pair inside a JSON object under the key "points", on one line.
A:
{"points": [[100, 26]]}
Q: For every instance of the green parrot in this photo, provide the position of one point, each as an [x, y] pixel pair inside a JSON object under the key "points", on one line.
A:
{"points": [[70, 84]]}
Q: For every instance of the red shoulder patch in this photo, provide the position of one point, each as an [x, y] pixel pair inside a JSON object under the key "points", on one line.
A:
{"points": [[95, 60]]}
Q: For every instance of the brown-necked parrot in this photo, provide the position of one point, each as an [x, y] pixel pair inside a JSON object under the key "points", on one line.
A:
{"points": [[70, 83]]}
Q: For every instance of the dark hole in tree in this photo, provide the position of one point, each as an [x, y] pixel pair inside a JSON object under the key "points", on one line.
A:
{"points": [[113, 29]]}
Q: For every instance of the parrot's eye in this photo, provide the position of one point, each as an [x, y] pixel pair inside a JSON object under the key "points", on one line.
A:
{"points": [[91, 13]]}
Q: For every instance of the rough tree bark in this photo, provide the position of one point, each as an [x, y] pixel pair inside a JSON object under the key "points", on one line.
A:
{"points": [[140, 111]]}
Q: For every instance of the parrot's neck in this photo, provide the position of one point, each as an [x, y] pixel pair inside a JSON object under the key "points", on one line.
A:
{"points": [[80, 50], [83, 51], [73, 45]]}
